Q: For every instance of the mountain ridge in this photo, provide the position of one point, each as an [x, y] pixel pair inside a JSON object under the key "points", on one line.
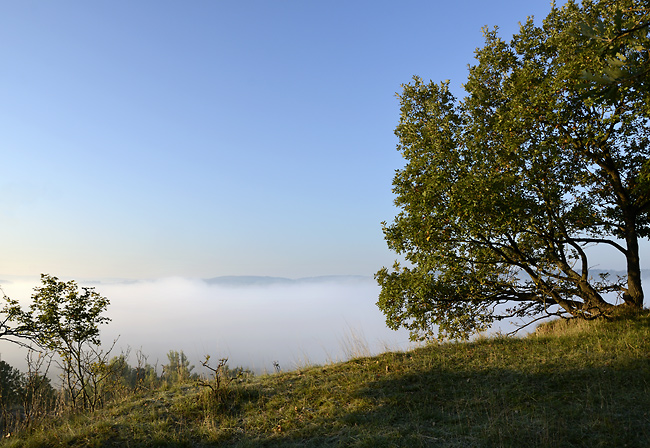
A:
{"points": [[254, 280]]}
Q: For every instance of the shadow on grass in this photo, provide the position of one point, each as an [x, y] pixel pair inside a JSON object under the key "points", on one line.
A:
{"points": [[571, 389], [590, 407], [587, 407]]}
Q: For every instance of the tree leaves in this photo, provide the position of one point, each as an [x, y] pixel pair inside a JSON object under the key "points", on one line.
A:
{"points": [[503, 190]]}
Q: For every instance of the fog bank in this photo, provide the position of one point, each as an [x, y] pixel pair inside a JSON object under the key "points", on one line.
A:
{"points": [[253, 321]]}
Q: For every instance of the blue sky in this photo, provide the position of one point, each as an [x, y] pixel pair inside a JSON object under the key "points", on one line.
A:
{"points": [[158, 138]]}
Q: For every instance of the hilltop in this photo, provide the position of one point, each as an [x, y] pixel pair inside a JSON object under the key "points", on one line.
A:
{"points": [[568, 384]]}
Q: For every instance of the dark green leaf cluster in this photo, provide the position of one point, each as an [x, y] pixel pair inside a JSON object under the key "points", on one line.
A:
{"points": [[11, 385], [619, 61], [24, 397]]}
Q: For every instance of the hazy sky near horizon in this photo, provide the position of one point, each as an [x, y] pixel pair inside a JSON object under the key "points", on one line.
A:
{"points": [[197, 139]]}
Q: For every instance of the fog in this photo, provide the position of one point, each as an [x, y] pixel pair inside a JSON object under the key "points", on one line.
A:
{"points": [[252, 321]]}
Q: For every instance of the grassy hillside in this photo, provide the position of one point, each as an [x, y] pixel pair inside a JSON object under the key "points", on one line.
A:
{"points": [[577, 384]]}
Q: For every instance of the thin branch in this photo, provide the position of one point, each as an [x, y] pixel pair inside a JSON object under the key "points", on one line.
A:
{"points": [[546, 316]]}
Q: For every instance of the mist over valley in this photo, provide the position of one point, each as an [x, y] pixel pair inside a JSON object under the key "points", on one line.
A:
{"points": [[254, 321]]}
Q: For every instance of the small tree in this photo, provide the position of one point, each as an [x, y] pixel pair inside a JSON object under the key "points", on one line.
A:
{"points": [[65, 319], [178, 369], [10, 387], [505, 190]]}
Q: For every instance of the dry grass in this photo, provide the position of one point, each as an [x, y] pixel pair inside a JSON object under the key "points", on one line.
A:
{"points": [[583, 385]]}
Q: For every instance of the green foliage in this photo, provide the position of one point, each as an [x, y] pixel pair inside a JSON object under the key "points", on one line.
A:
{"points": [[504, 191], [61, 317], [122, 380], [141, 376], [65, 320], [12, 331], [24, 397], [178, 369], [11, 382], [619, 61]]}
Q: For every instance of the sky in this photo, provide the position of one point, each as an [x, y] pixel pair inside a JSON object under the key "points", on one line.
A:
{"points": [[153, 139], [148, 145]]}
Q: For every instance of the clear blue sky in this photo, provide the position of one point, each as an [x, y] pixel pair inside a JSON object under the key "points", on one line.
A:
{"points": [[144, 139]]}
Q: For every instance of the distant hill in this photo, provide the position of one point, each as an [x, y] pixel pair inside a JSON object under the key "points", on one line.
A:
{"points": [[248, 280]]}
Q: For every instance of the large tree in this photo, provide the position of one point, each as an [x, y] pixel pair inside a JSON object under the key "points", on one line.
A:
{"points": [[506, 191]]}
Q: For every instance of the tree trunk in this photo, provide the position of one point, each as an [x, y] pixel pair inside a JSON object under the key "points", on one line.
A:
{"points": [[633, 296]]}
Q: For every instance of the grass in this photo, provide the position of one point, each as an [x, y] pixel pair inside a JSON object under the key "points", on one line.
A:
{"points": [[583, 384]]}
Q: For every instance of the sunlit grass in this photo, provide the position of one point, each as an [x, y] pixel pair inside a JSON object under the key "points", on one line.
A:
{"points": [[569, 384]]}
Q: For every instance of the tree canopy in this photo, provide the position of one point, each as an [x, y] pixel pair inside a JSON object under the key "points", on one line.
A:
{"points": [[505, 191]]}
